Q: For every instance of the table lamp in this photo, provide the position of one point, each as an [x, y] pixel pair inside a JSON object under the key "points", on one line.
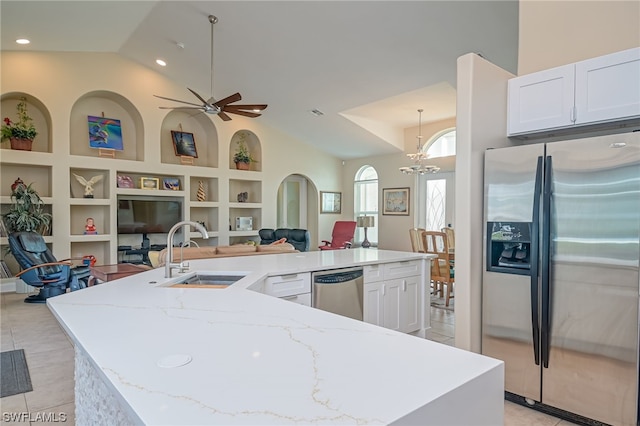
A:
{"points": [[365, 222]]}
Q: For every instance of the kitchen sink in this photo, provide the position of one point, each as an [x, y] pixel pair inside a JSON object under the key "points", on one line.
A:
{"points": [[206, 280]]}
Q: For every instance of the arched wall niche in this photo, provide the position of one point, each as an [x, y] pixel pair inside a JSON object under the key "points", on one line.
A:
{"points": [[109, 105], [37, 111], [205, 137], [253, 144]]}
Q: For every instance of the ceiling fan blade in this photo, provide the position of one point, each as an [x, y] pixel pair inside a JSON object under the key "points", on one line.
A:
{"points": [[245, 113], [181, 107], [229, 99], [198, 96], [175, 100], [224, 116], [251, 107]]}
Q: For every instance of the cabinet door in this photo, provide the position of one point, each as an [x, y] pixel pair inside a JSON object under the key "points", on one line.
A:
{"points": [[542, 100], [411, 304], [608, 87], [373, 303], [391, 306]]}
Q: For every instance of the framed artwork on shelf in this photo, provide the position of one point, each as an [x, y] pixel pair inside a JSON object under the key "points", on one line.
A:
{"points": [[395, 201], [184, 144], [171, 184], [330, 202], [149, 183], [105, 133], [125, 181]]}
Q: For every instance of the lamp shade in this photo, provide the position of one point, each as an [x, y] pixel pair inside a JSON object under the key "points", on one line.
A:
{"points": [[365, 221]]}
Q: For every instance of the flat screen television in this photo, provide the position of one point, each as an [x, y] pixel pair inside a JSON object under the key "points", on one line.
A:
{"points": [[148, 215]]}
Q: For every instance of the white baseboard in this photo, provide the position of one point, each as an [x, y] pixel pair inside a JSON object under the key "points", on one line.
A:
{"points": [[8, 285]]}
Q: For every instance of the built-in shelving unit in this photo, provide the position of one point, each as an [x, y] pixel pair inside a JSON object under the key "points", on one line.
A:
{"points": [[152, 173]]}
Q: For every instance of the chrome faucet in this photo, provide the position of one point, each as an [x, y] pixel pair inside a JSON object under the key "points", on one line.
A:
{"points": [[169, 265]]}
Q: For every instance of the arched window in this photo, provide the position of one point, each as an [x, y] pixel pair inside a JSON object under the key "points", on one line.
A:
{"points": [[442, 144], [365, 190], [436, 201]]}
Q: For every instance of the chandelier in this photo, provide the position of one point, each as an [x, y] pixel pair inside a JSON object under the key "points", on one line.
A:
{"points": [[418, 167]]}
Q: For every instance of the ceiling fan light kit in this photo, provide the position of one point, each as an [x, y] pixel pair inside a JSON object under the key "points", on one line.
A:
{"points": [[222, 107], [419, 168]]}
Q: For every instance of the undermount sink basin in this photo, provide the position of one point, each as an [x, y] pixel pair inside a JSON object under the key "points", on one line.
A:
{"points": [[206, 281]]}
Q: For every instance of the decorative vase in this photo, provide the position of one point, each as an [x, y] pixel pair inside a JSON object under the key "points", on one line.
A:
{"points": [[242, 165], [201, 195], [21, 144]]}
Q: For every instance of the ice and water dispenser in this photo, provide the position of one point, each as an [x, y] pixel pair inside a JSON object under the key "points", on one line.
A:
{"points": [[509, 247]]}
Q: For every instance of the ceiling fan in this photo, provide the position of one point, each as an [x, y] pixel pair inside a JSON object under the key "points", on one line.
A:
{"points": [[223, 106]]}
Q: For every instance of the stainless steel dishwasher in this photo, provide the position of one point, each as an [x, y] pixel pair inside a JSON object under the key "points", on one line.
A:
{"points": [[339, 291]]}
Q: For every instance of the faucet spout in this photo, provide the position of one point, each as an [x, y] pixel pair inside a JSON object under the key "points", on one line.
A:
{"points": [[169, 264]]}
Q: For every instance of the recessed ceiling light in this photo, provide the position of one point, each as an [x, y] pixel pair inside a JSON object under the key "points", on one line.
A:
{"points": [[161, 62], [22, 41]]}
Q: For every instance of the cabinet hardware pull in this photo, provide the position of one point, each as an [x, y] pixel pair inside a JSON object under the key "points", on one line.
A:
{"points": [[295, 296]]}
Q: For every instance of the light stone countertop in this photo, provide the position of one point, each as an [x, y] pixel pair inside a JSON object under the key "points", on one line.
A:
{"points": [[257, 359]]}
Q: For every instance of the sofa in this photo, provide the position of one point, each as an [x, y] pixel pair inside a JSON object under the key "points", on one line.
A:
{"points": [[298, 238], [158, 258]]}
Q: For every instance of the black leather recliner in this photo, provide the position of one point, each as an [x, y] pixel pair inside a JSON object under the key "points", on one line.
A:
{"points": [[42, 269], [300, 239]]}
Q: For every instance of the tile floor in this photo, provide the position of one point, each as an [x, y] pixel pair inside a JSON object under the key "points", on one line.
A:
{"points": [[49, 354]]}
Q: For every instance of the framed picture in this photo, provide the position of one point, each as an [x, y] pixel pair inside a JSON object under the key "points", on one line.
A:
{"points": [[395, 201], [149, 183], [125, 181], [330, 202], [184, 144], [105, 133], [171, 184]]}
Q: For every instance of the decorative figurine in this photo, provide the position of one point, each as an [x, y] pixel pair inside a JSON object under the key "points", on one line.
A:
{"points": [[88, 184], [201, 195], [15, 184], [243, 197], [90, 227]]}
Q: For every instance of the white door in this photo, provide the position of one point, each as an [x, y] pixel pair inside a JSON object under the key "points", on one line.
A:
{"points": [[372, 304], [608, 87], [542, 100], [392, 290], [292, 202], [411, 304]]}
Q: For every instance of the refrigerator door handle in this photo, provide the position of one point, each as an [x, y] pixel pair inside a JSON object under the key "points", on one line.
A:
{"points": [[535, 322], [546, 254]]}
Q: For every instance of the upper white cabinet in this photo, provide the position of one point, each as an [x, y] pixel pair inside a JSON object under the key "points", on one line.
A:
{"points": [[603, 89]]}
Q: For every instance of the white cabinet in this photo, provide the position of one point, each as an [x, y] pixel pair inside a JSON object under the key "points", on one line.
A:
{"points": [[393, 296], [608, 87], [598, 90], [292, 287]]}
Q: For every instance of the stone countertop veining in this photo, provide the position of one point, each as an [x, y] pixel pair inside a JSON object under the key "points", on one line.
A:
{"points": [[256, 359]]}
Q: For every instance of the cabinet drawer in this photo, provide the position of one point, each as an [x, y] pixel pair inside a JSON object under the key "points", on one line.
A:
{"points": [[401, 269], [302, 299], [372, 273], [288, 285]]}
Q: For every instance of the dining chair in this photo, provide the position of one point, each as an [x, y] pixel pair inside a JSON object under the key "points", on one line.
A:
{"points": [[451, 237], [415, 234], [442, 267]]}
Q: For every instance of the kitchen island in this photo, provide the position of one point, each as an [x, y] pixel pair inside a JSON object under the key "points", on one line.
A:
{"points": [[147, 353]]}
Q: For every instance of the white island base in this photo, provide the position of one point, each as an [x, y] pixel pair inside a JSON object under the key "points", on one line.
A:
{"points": [[147, 354]]}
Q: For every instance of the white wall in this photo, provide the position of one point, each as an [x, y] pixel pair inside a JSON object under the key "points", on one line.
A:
{"points": [[58, 80], [554, 33]]}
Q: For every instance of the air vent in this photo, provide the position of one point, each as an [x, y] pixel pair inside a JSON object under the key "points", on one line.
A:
{"points": [[317, 112]]}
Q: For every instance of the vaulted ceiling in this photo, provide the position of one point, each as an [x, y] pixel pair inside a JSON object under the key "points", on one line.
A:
{"points": [[366, 65]]}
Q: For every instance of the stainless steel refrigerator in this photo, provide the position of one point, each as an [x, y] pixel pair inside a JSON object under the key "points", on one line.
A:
{"points": [[561, 282]]}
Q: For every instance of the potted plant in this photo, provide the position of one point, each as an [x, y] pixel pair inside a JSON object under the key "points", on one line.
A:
{"points": [[26, 213], [242, 157], [21, 132]]}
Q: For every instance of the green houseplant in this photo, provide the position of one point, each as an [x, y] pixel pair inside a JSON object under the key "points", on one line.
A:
{"points": [[26, 212], [242, 157], [21, 132]]}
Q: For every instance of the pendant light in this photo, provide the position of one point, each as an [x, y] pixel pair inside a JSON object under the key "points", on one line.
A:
{"points": [[418, 167]]}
